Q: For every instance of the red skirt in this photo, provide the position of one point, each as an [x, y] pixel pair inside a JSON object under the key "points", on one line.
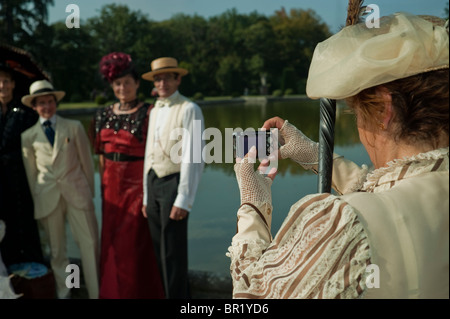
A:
{"points": [[128, 268]]}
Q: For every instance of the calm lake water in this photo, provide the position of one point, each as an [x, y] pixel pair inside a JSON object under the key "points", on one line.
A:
{"points": [[212, 222]]}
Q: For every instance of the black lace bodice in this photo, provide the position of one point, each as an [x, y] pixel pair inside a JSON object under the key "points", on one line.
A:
{"points": [[133, 123]]}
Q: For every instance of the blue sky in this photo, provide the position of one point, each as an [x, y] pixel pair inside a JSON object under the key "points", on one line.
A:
{"points": [[332, 12]]}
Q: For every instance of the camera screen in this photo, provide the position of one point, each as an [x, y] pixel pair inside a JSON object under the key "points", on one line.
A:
{"points": [[255, 140], [243, 142]]}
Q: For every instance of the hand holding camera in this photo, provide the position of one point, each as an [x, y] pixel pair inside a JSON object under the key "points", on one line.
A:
{"points": [[254, 188], [294, 144], [265, 145]]}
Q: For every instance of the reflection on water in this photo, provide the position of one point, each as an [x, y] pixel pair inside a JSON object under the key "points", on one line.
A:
{"points": [[212, 222]]}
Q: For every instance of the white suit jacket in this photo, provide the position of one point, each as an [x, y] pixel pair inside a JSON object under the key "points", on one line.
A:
{"points": [[66, 169]]}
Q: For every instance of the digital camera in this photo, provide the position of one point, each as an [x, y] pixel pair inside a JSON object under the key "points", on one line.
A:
{"points": [[264, 141]]}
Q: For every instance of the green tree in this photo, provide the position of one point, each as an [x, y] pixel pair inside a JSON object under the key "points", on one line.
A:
{"points": [[262, 59], [229, 75], [75, 67], [289, 80], [296, 36], [231, 43], [189, 44], [224, 54], [117, 28], [70, 56], [19, 19]]}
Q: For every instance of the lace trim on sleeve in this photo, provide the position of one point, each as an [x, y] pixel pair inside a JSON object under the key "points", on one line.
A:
{"points": [[321, 251], [361, 179], [247, 249]]}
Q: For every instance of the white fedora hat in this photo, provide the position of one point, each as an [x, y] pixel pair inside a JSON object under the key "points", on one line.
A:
{"points": [[40, 88], [164, 65]]}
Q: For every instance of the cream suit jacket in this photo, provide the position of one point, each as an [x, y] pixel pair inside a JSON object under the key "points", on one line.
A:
{"points": [[66, 169]]}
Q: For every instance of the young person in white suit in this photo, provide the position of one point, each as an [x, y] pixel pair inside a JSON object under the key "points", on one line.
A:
{"points": [[57, 159]]}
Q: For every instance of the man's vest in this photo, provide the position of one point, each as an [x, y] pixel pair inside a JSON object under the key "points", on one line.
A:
{"points": [[158, 153]]}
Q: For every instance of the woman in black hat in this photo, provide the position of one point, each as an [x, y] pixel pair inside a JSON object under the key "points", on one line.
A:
{"points": [[21, 242]]}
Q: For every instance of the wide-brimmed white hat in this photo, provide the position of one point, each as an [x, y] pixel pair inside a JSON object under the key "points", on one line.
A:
{"points": [[164, 65], [359, 57], [40, 88]]}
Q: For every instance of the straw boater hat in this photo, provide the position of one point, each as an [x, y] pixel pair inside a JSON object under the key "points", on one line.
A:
{"points": [[40, 88], [164, 65], [358, 57]]}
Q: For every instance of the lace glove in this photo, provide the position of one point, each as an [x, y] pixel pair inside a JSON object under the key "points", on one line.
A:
{"points": [[254, 217], [298, 147], [254, 187]]}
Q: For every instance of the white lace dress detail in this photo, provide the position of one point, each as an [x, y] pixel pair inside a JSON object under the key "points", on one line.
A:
{"points": [[384, 178]]}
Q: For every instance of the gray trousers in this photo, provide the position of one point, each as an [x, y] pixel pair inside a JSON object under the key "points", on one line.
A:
{"points": [[169, 236]]}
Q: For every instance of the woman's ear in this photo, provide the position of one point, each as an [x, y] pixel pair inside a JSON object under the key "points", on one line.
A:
{"points": [[386, 115]]}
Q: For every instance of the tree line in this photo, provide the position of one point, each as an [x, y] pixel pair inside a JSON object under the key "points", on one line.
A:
{"points": [[228, 54]]}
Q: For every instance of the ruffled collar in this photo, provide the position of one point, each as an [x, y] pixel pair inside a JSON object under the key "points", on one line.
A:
{"points": [[385, 178]]}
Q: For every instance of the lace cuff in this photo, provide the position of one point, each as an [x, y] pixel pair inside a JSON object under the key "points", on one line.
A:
{"points": [[347, 176], [254, 187]]}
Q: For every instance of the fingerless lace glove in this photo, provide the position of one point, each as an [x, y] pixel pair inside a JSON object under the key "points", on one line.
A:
{"points": [[298, 147], [254, 187]]}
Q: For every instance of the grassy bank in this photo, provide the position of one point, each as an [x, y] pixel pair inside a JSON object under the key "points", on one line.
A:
{"points": [[91, 104]]}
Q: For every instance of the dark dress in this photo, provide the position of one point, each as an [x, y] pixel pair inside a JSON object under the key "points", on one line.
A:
{"points": [[128, 267], [21, 242]]}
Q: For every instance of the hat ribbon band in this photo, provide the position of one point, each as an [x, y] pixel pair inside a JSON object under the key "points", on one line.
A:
{"points": [[42, 91], [166, 67]]}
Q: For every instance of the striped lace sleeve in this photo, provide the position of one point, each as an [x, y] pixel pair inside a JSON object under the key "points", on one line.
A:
{"points": [[320, 251]]}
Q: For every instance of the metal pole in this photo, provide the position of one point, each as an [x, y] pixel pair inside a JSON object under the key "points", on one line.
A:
{"points": [[326, 144]]}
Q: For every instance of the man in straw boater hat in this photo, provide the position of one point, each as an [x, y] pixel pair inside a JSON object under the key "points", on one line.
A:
{"points": [[386, 234], [57, 158], [170, 184]]}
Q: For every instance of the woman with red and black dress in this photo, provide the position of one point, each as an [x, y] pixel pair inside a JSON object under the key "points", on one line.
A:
{"points": [[128, 268]]}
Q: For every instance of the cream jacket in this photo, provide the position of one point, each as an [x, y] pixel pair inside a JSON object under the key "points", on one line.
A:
{"points": [[389, 239], [65, 170]]}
